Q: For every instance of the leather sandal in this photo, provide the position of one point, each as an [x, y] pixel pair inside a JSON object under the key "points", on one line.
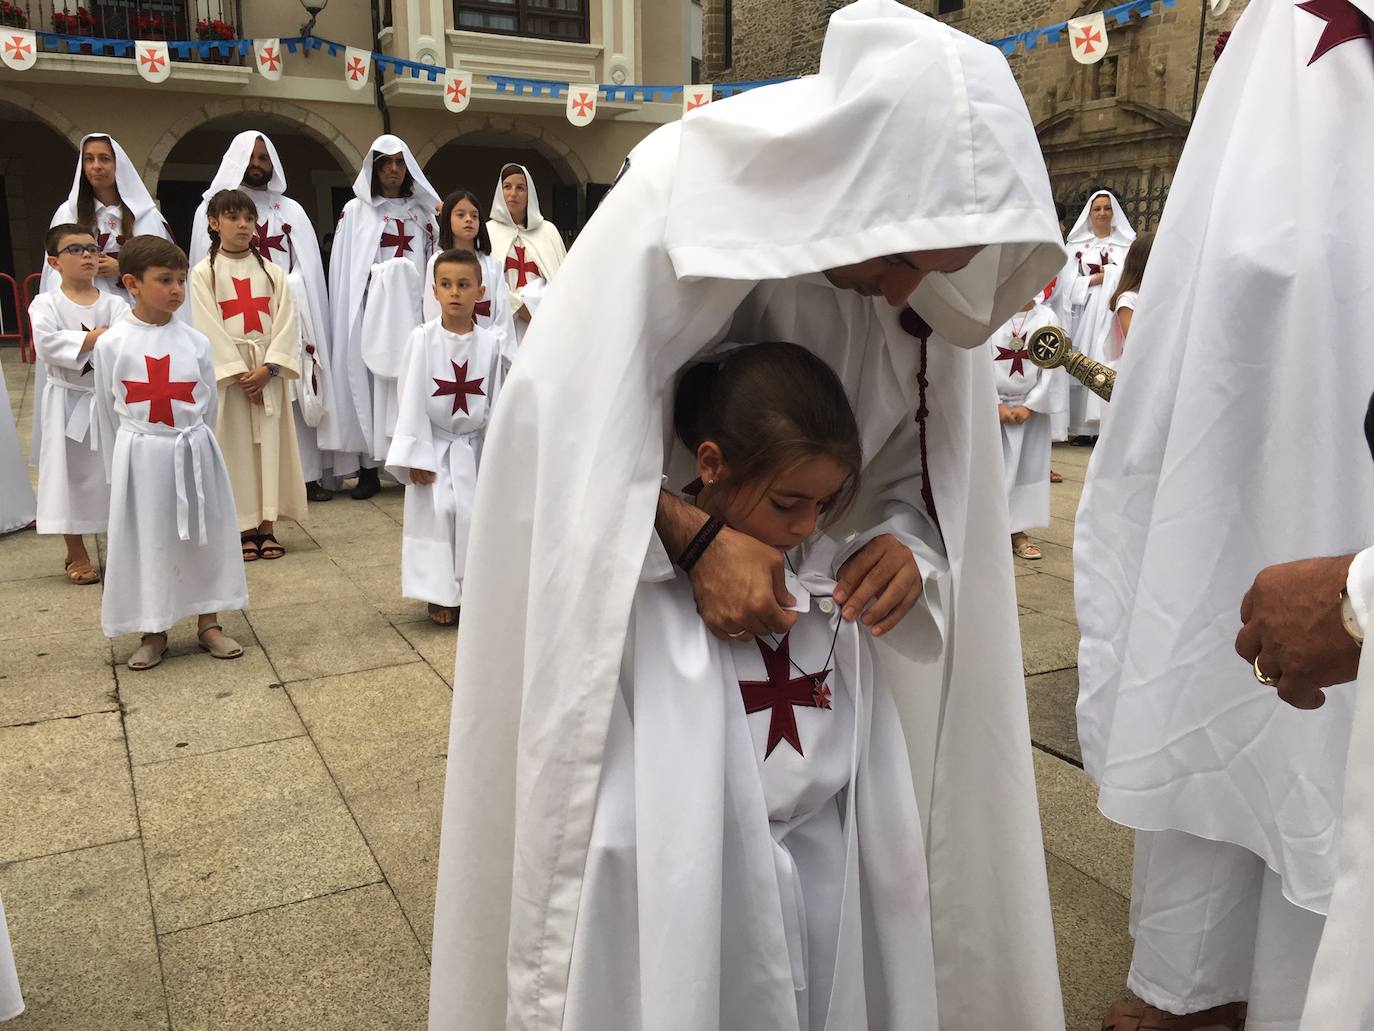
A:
{"points": [[249, 543], [443, 615], [268, 543], [1056, 477], [221, 647], [81, 572], [1141, 1016], [148, 654]]}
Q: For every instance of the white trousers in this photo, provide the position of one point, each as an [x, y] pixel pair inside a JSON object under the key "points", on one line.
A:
{"points": [[1212, 926]]}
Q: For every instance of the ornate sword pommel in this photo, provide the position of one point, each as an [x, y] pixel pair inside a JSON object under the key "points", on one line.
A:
{"points": [[1051, 348]]}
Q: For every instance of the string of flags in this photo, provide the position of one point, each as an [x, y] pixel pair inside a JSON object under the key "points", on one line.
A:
{"points": [[20, 49]]}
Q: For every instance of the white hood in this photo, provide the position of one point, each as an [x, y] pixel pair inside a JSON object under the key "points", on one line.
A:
{"points": [[913, 136], [388, 145], [235, 163], [1082, 232], [132, 191], [501, 214]]}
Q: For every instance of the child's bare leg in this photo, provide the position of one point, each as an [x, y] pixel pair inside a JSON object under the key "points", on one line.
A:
{"points": [[79, 567], [213, 638]]}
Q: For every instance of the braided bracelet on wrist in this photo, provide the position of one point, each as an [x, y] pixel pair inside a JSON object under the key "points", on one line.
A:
{"points": [[698, 544]]}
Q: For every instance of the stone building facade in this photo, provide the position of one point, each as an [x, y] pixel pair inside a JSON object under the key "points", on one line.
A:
{"points": [[1119, 123]]}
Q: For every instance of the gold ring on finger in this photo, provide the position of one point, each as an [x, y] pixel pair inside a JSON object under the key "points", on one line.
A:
{"points": [[1263, 677], [738, 635]]}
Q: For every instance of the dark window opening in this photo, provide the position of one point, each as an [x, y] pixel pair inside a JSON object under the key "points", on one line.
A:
{"points": [[943, 7], [544, 19]]}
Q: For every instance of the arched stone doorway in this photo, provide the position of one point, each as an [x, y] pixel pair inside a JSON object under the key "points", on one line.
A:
{"points": [[37, 158], [473, 161], [315, 176]]}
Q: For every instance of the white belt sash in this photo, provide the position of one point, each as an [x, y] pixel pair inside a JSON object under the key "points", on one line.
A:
{"points": [[79, 421], [457, 460], [185, 443]]}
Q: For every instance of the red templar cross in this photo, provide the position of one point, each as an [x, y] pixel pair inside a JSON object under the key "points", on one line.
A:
{"points": [[522, 267], [781, 691], [398, 239], [583, 104], [1017, 358], [356, 69], [153, 60], [267, 243], [244, 303], [456, 92], [271, 59], [460, 387], [1344, 22], [19, 48], [1089, 37], [159, 391], [482, 308]]}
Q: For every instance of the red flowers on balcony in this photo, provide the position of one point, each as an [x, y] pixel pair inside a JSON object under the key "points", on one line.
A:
{"points": [[13, 15], [79, 23], [150, 26], [214, 29]]}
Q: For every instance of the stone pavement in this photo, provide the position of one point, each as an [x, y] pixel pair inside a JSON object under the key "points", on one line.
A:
{"points": [[252, 844]]}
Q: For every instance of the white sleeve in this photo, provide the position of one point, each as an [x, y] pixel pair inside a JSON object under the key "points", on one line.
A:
{"points": [[104, 422], [55, 344], [412, 444], [1359, 584]]}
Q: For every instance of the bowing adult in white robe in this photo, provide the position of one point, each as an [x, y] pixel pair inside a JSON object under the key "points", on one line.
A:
{"points": [[1021, 383], [721, 241], [173, 532], [448, 386], [73, 496], [762, 893], [287, 238], [1227, 451], [11, 1000], [110, 228], [1088, 305], [372, 230], [529, 251], [17, 504], [493, 312]]}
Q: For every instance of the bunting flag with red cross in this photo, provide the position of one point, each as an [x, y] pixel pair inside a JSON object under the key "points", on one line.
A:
{"points": [[357, 67], [18, 49], [582, 103], [1088, 38], [695, 96], [267, 54], [154, 63], [457, 90]]}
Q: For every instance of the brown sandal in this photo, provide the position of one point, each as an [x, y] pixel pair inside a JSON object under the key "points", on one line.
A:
{"points": [[81, 572], [221, 647], [443, 615], [268, 548], [1141, 1016]]}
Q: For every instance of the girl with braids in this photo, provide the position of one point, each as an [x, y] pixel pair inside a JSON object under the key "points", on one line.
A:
{"points": [[461, 225], [754, 789], [244, 305]]}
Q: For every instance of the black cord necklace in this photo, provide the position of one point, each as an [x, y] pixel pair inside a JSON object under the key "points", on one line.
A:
{"points": [[816, 678]]}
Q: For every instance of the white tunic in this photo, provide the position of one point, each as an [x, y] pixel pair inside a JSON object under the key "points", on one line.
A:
{"points": [[1091, 321], [17, 506], [73, 496], [11, 1001], [447, 387], [1025, 447], [173, 534], [493, 311]]}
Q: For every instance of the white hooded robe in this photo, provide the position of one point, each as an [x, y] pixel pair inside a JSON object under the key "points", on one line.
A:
{"points": [[11, 1001], [580, 437], [529, 255]]}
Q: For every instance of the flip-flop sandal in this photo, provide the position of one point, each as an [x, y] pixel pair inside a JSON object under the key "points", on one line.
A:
{"points": [[221, 647], [1027, 551], [437, 612], [252, 550], [81, 572], [1141, 1016], [148, 655], [266, 543]]}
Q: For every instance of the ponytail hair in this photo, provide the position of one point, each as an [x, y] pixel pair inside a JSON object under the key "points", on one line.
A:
{"points": [[769, 407], [1133, 268], [231, 202]]}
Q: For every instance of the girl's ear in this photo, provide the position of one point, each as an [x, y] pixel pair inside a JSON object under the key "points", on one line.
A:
{"points": [[710, 462]]}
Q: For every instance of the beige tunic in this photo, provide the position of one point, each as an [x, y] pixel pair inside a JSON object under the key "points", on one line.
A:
{"points": [[249, 316]]}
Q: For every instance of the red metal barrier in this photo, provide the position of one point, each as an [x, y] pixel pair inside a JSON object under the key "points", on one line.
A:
{"points": [[19, 312], [31, 282]]}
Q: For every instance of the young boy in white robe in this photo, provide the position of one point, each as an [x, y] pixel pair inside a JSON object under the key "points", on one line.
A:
{"points": [[245, 306], [756, 858], [450, 377], [1025, 401], [172, 520], [461, 225], [73, 497]]}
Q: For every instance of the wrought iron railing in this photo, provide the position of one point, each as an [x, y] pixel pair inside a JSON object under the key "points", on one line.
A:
{"points": [[210, 20]]}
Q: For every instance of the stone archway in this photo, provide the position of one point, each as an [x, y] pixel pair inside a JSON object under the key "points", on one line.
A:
{"points": [[321, 129], [486, 130], [44, 112]]}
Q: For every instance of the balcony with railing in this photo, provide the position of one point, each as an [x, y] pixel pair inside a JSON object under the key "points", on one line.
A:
{"points": [[194, 20]]}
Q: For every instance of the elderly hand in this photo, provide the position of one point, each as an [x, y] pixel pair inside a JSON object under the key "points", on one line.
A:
{"points": [[739, 588], [879, 584], [1291, 629]]}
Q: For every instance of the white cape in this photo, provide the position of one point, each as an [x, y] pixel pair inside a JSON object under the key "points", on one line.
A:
{"points": [[540, 243], [1025, 446], [1229, 448], [581, 436]]}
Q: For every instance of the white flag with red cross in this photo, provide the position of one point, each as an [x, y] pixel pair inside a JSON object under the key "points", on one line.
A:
{"points": [[17, 49], [154, 63], [357, 67], [457, 89], [1088, 38], [267, 54], [695, 96], [582, 103]]}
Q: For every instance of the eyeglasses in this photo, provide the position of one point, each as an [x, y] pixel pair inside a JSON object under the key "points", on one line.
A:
{"points": [[78, 249]]}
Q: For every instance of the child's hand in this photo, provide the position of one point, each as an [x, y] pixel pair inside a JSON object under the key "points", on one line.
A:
{"points": [[1004, 414], [254, 382], [106, 265], [92, 337], [421, 477], [1020, 414]]}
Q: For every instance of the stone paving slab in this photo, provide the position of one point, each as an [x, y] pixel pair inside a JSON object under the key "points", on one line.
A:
{"points": [[322, 638], [1075, 831], [52, 675], [1051, 698], [41, 605], [83, 941], [1093, 949]]}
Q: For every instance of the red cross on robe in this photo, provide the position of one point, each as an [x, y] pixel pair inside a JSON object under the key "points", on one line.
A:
{"points": [[482, 308], [398, 239], [244, 303], [522, 268], [89, 367], [101, 239], [267, 243], [1344, 23], [159, 390], [781, 692], [460, 387], [1016, 355]]}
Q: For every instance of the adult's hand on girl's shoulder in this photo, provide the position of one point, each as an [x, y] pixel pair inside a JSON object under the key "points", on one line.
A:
{"points": [[738, 586], [879, 584]]}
